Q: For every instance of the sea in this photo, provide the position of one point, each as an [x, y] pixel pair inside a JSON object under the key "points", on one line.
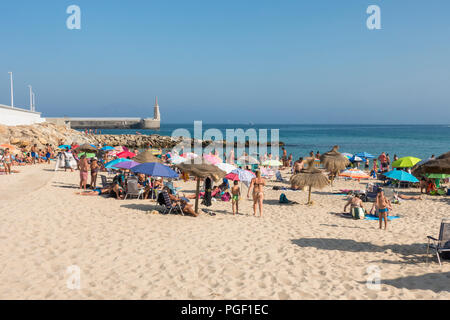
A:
{"points": [[420, 141]]}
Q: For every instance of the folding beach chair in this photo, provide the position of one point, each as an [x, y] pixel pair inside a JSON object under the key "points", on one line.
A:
{"points": [[441, 245], [279, 177], [174, 190], [169, 206], [133, 189], [105, 183]]}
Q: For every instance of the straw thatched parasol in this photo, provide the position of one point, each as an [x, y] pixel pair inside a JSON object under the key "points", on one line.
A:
{"points": [[334, 162], [146, 156], [201, 171], [311, 177], [86, 148], [439, 165]]}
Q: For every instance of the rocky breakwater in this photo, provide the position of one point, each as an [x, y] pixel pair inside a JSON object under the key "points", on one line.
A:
{"points": [[47, 133], [40, 134]]}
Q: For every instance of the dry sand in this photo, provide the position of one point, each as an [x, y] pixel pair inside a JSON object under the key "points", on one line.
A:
{"points": [[293, 252]]}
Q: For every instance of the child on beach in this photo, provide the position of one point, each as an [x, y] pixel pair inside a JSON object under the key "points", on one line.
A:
{"points": [[235, 194]]}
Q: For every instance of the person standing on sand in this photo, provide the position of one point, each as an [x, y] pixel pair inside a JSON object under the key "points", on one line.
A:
{"points": [[94, 172], [235, 194], [84, 170], [7, 160], [383, 206], [257, 184], [34, 154], [383, 162], [298, 165], [284, 158]]}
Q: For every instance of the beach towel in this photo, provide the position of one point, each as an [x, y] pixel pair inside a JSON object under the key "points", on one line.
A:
{"points": [[373, 217]]}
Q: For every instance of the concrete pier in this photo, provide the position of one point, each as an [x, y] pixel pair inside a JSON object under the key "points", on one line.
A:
{"points": [[111, 123]]}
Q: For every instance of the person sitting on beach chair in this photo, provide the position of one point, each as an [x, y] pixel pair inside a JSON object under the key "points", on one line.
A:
{"points": [[171, 202]]}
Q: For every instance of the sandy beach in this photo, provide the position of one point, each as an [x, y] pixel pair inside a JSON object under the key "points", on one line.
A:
{"points": [[125, 252]]}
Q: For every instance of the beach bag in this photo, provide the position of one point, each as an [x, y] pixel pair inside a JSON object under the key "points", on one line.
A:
{"points": [[283, 198], [226, 196], [358, 213]]}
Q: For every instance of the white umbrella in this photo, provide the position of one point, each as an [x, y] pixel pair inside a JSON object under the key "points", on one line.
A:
{"points": [[176, 159], [226, 167], [272, 163]]}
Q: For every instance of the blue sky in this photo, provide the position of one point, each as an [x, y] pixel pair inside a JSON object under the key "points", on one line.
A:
{"points": [[224, 61]]}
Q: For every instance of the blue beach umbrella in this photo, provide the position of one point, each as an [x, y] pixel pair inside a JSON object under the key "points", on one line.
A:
{"points": [[110, 165], [401, 176], [155, 169], [365, 155], [64, 146], [107, 148], [126, 164]]}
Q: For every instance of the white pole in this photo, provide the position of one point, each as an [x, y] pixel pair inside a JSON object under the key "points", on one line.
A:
{"points": [[31, 98], [34, 102], [12, 89]]}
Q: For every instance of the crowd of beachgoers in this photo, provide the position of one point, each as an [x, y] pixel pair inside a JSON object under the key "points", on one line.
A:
{"points": [[120, 179]]}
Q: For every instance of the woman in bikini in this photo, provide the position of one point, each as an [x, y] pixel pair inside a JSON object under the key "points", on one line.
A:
{"points": [[257, 184], [7, 160], [94, 172]]}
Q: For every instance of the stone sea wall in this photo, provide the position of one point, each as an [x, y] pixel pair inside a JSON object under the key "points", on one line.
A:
{"points": [[25, 136]]}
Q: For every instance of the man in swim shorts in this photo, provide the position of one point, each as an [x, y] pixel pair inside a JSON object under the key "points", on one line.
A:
{"points": [[383, 206]]}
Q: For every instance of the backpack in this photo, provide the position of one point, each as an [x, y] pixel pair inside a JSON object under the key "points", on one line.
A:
{"points": [[226, 196], [358, 213], [283, 198]]}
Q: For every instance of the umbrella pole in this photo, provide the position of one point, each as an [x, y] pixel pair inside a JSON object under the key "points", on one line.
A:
{"points": [[309, 195], [197, 191]]}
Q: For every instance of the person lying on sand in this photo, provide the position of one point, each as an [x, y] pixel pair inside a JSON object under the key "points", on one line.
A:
{"points": [[405, 197], [96, 192]]}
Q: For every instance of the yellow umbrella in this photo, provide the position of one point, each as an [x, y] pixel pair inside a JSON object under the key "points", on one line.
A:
{"points": [[405, 162]]}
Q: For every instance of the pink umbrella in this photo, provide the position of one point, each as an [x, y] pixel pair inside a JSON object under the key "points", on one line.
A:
{"points": [[189, 155], [213, 159], [126, 154]]}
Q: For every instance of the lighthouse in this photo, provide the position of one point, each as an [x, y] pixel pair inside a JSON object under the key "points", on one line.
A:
{"points": [[156, 114]]}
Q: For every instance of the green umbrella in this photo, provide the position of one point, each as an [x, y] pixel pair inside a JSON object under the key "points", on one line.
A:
{"points": [[87, 154], [405, 162], [437, 175]]}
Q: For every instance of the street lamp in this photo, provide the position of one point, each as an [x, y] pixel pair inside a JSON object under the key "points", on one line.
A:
{"points": [[12, 89], [31, 98]]}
